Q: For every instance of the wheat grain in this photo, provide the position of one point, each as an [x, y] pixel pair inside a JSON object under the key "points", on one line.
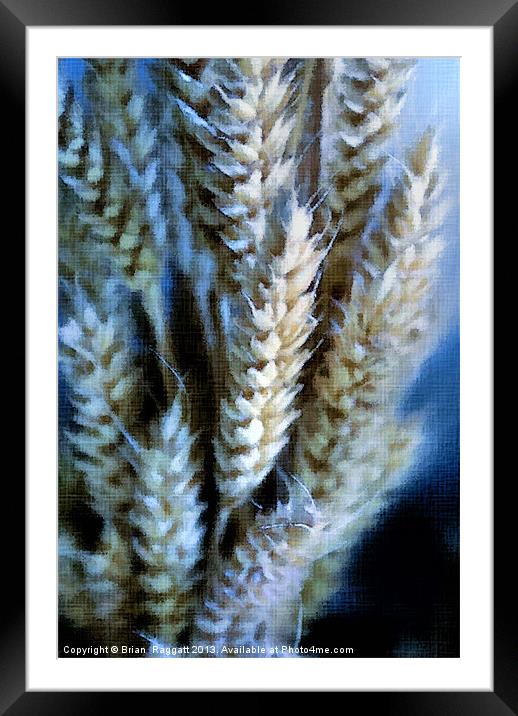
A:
{"points": [[340, 449]]}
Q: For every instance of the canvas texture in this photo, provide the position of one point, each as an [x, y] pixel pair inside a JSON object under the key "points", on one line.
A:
{"points": [[258, 357]]}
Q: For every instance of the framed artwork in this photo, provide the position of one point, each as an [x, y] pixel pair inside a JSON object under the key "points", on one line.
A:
{"points": [[259, 354]]}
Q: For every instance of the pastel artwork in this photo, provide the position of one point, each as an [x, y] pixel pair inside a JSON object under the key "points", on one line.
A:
{"points": [[258, 262]]}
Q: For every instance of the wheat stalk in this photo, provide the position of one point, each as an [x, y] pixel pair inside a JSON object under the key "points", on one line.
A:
{"points": [[166, 513], [235, 114], [265, 571], [180, 82], [362, 104]]}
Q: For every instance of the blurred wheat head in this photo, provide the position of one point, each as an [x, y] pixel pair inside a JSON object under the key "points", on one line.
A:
{"points": [[241, 316]]}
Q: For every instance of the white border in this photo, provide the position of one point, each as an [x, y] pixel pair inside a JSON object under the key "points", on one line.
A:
{"points": [[473, 670]]}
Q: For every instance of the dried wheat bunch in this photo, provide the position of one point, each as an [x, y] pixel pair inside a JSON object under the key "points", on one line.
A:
{"points": [[362, 104], [211, 191], [266, 353], [349, 450], [166, 514]]}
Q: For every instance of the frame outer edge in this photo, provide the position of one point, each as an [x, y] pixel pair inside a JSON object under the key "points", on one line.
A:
{"points": [[505, 159], [12, 41], [276, 12], [12, 92]]}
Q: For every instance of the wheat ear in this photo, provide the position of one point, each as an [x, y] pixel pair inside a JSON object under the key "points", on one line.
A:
{"points": [[195, 253], [97, 364], [166, 513], [384, 322], [362, 104], [234, 119], [109, 160], [96, 361], [266, 354], [236, 128]]}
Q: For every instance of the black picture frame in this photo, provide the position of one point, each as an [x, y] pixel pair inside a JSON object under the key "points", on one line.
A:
{"points": [[15, 17]]}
